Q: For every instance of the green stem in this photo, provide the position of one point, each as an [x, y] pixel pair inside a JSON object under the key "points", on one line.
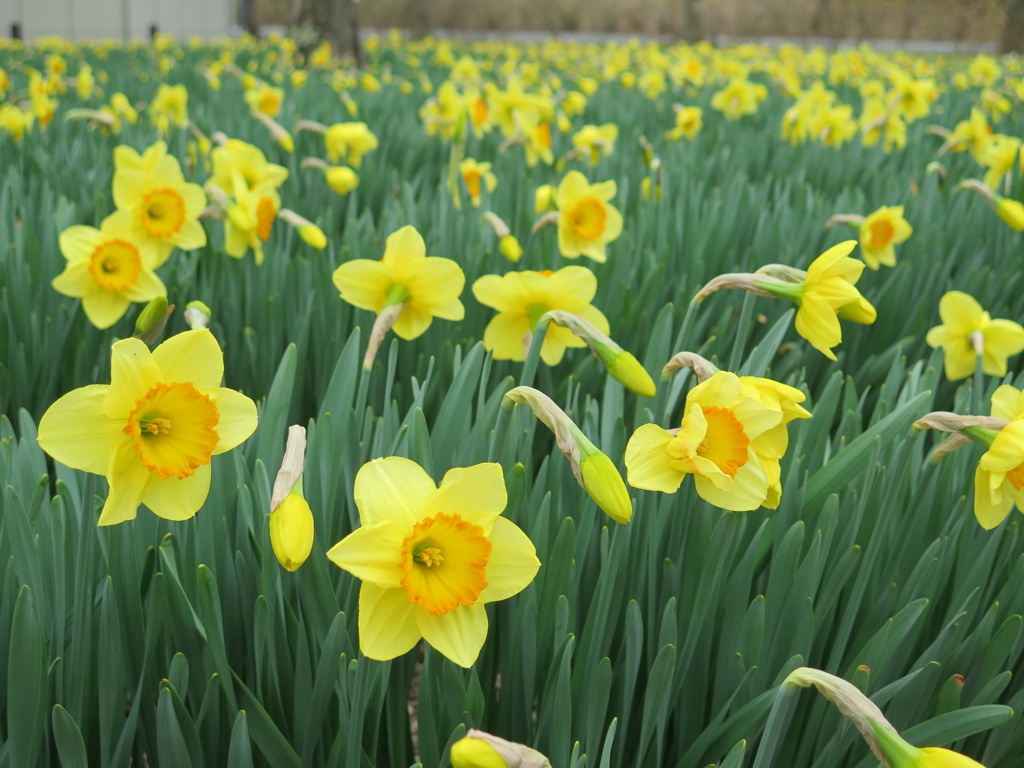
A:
{"points": [[978, 386], [533, 355], [741, 332]]}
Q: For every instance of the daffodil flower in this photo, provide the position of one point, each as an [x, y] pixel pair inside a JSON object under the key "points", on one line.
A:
{"points": [[717, 444], [108, 269], [431, 557], [250, 218], [154, 429], [999, 478], [159, 205], [474, 175], [425, 287], [880, 233], [521, 298], [586, 222], [967, 331], [349, 142], [248, 161]]}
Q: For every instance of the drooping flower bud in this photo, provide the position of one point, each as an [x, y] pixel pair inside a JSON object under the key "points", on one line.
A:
{"points": [[291, 519], [478, 749]]}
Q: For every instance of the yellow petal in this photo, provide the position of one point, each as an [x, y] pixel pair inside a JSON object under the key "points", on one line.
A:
{"points": [[831, 262], [989, 512], [291, 532], [190, 236], [513, 562], [648, 464], [129, 483], [458, 635], [179, 499], [364, 283], [413, 322], [576, 286], [404, 248], [960, 313], [392, 489], [501, 293], [130, 186], [132, 373], [1008, 403], [76, 432], [372, 553], [504, 335], [238, 418], [104, 308], [477, 494], [77, 243], [193, 356], [387, 622], [434, 282], [816, 321], [573, 187], [147, 287], [748, 489]]}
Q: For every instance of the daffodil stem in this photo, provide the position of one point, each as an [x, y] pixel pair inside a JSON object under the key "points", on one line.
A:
{"points": [[978, 389], [741, 330], [533, 355], [501, 429], [775, 728], [364, 386]]}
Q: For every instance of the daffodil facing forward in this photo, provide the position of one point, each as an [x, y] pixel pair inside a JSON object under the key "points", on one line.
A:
{"points": [[586, 221], [716, 444], [430, 558], [968, 331], [424, 287], [154, 429], [880, 233], [159, 205], [108, 269]]}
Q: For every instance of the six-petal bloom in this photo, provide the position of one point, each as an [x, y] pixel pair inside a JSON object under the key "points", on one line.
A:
{"points": [[586, 221], [967, 328], [427, 287], [153, 430], [431, 557]]}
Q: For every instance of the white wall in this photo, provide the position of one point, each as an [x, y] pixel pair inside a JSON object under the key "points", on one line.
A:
{"points": [[117, 19]]}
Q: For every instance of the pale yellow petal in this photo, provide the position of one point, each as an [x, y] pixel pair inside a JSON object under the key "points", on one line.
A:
{"points": [[513, 563], [77, 243], [961, 313], [413, 322], [816, 321], [573, 187], [75, 281], [364, 283], [387, 622], [193, 356], [477, 494], [458, 635], [190, 236], [179, 499], [504, 294], [238, 418], [989, 512], [748, 489], [129, 482], [146, 288], [576, 287], [648, 464], [404, 248], [434, 282], [132, 373], [1008, 403], [504, 335], [372, 553], [392, 489], [130, 186], [76, 432], [104, 308]]}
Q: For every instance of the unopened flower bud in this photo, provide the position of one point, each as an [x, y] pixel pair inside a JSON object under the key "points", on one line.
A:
{"points": [[152, 320], [197, 315], [510, 248], [1011, 212], [484, 750], [543, 199], [341, 179]]}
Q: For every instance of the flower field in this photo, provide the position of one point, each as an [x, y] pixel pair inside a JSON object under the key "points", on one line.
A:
{"points": [[500, 406]]}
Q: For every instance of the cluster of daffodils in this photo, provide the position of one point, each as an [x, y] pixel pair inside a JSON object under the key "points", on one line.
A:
{"points": [[157, 211]]}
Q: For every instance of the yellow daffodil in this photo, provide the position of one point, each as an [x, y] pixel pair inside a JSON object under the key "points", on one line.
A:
{"points": [[341, 179], [771, 445], [974, 134], [967, 331], [478, 749], [521, 298], [689, 121], [265, 99], [1011, 212], [291, 531], [543, 198], [999, 478], [595, 141], [880, 233], [153, 430], [15, 122], [473, 175], [250, 218], [108, 269], [349, 142], [249, 162], [170, 104], [426, 287], [1002, 155], [158, 206], [716, 444], [740, 97], [431, 557], [586, 221]]}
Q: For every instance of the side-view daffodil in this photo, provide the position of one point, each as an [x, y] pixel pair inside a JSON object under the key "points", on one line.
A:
{"points": [[154, 429], [880, 233]]}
